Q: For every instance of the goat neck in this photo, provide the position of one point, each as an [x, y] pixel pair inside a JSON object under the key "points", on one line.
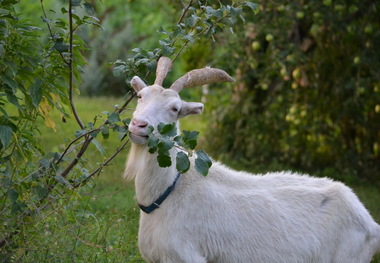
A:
{"points": [[151, 180]]}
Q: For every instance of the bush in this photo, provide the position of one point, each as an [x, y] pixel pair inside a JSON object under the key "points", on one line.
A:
{"points": [[307, 92]]}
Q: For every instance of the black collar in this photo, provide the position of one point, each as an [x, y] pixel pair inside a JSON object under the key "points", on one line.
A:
{"points": [[158, 202]]}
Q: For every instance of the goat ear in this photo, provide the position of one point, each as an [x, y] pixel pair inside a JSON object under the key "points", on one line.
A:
{"points": [[190, 108], [137, 84]]}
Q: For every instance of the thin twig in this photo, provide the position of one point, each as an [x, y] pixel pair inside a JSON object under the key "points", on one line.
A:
{"points": [[91, 244], [200, 33], [71, 68], [183, 4], [180, 51], [100, 168], [77, 157], [87, 143], [51, 31], [120, 110], [185, 11], [73, 141]]}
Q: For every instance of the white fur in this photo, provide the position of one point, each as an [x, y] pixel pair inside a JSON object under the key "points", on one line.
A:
{"points": [[234, 217]]}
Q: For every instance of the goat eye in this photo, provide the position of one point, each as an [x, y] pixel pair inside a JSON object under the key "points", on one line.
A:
{"points": [[174, 109], [139, 96]]}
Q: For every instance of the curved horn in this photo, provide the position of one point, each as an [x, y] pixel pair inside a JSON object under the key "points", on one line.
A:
{"points": [[198, 77], [137, 84], [163, 66]]}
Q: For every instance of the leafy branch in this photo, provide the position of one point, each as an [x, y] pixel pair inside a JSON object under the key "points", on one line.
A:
{"points": [[53, 169], [196, 21], [165, 137], [71, 65]]}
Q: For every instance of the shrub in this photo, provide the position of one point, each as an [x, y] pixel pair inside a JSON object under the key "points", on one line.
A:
{"points": [[307, 92]]}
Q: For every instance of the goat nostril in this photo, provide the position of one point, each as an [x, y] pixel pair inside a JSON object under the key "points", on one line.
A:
{"points": [[139, 123]]}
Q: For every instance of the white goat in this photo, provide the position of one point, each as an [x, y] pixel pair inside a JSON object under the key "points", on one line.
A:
{"points": [[232, 216]]}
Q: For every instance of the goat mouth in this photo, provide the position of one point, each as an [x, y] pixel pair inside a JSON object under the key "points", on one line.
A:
{"points": [[138, 139]]}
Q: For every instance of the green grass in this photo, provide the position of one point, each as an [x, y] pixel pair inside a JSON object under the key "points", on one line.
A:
{"points": [[108, 211], [109, 231]]}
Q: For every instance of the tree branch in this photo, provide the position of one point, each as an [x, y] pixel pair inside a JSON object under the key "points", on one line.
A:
{"points": [[75, 140], [185, 11], [100, 168], [51, 31], [71, 67], [120, 110]]}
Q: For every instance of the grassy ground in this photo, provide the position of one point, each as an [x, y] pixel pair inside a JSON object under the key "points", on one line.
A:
{"points": [[110, 228]]}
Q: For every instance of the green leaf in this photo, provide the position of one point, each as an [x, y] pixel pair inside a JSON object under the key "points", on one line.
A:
{"points": [[89, 8], [165, 144], [76, 2], [36, 92], [235, 12], [202, 155], [13, 195], [192, 20], [40, 191], [61, 46], [99, 147], [46, 20], [177, 31], [150, 129], [178, 140], [117, 71], [190, 138], [13, 99], [182, 162], [126, 121], [10, 81], [9, 2], [253, 6], [201, 166], [164, 160], [18, 207], [211, 12], [1, 50], [122, 133], [167, 50], [64, 10], [5, 135], [77, 19], [202, 163], [168, 129], [63, 181], [152, 143], [162, 31], [114, 117], [80, 133], [105, 132], [189, 37]]}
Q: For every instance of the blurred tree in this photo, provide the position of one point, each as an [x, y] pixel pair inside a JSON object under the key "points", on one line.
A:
{"points": [[308, 89], [125, 26]]}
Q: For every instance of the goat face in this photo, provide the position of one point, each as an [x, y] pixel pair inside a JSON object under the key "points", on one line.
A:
{"points": [[154, 105]]}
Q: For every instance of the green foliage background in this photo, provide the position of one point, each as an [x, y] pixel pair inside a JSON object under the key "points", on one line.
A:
{"points": [[307, 94]]}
